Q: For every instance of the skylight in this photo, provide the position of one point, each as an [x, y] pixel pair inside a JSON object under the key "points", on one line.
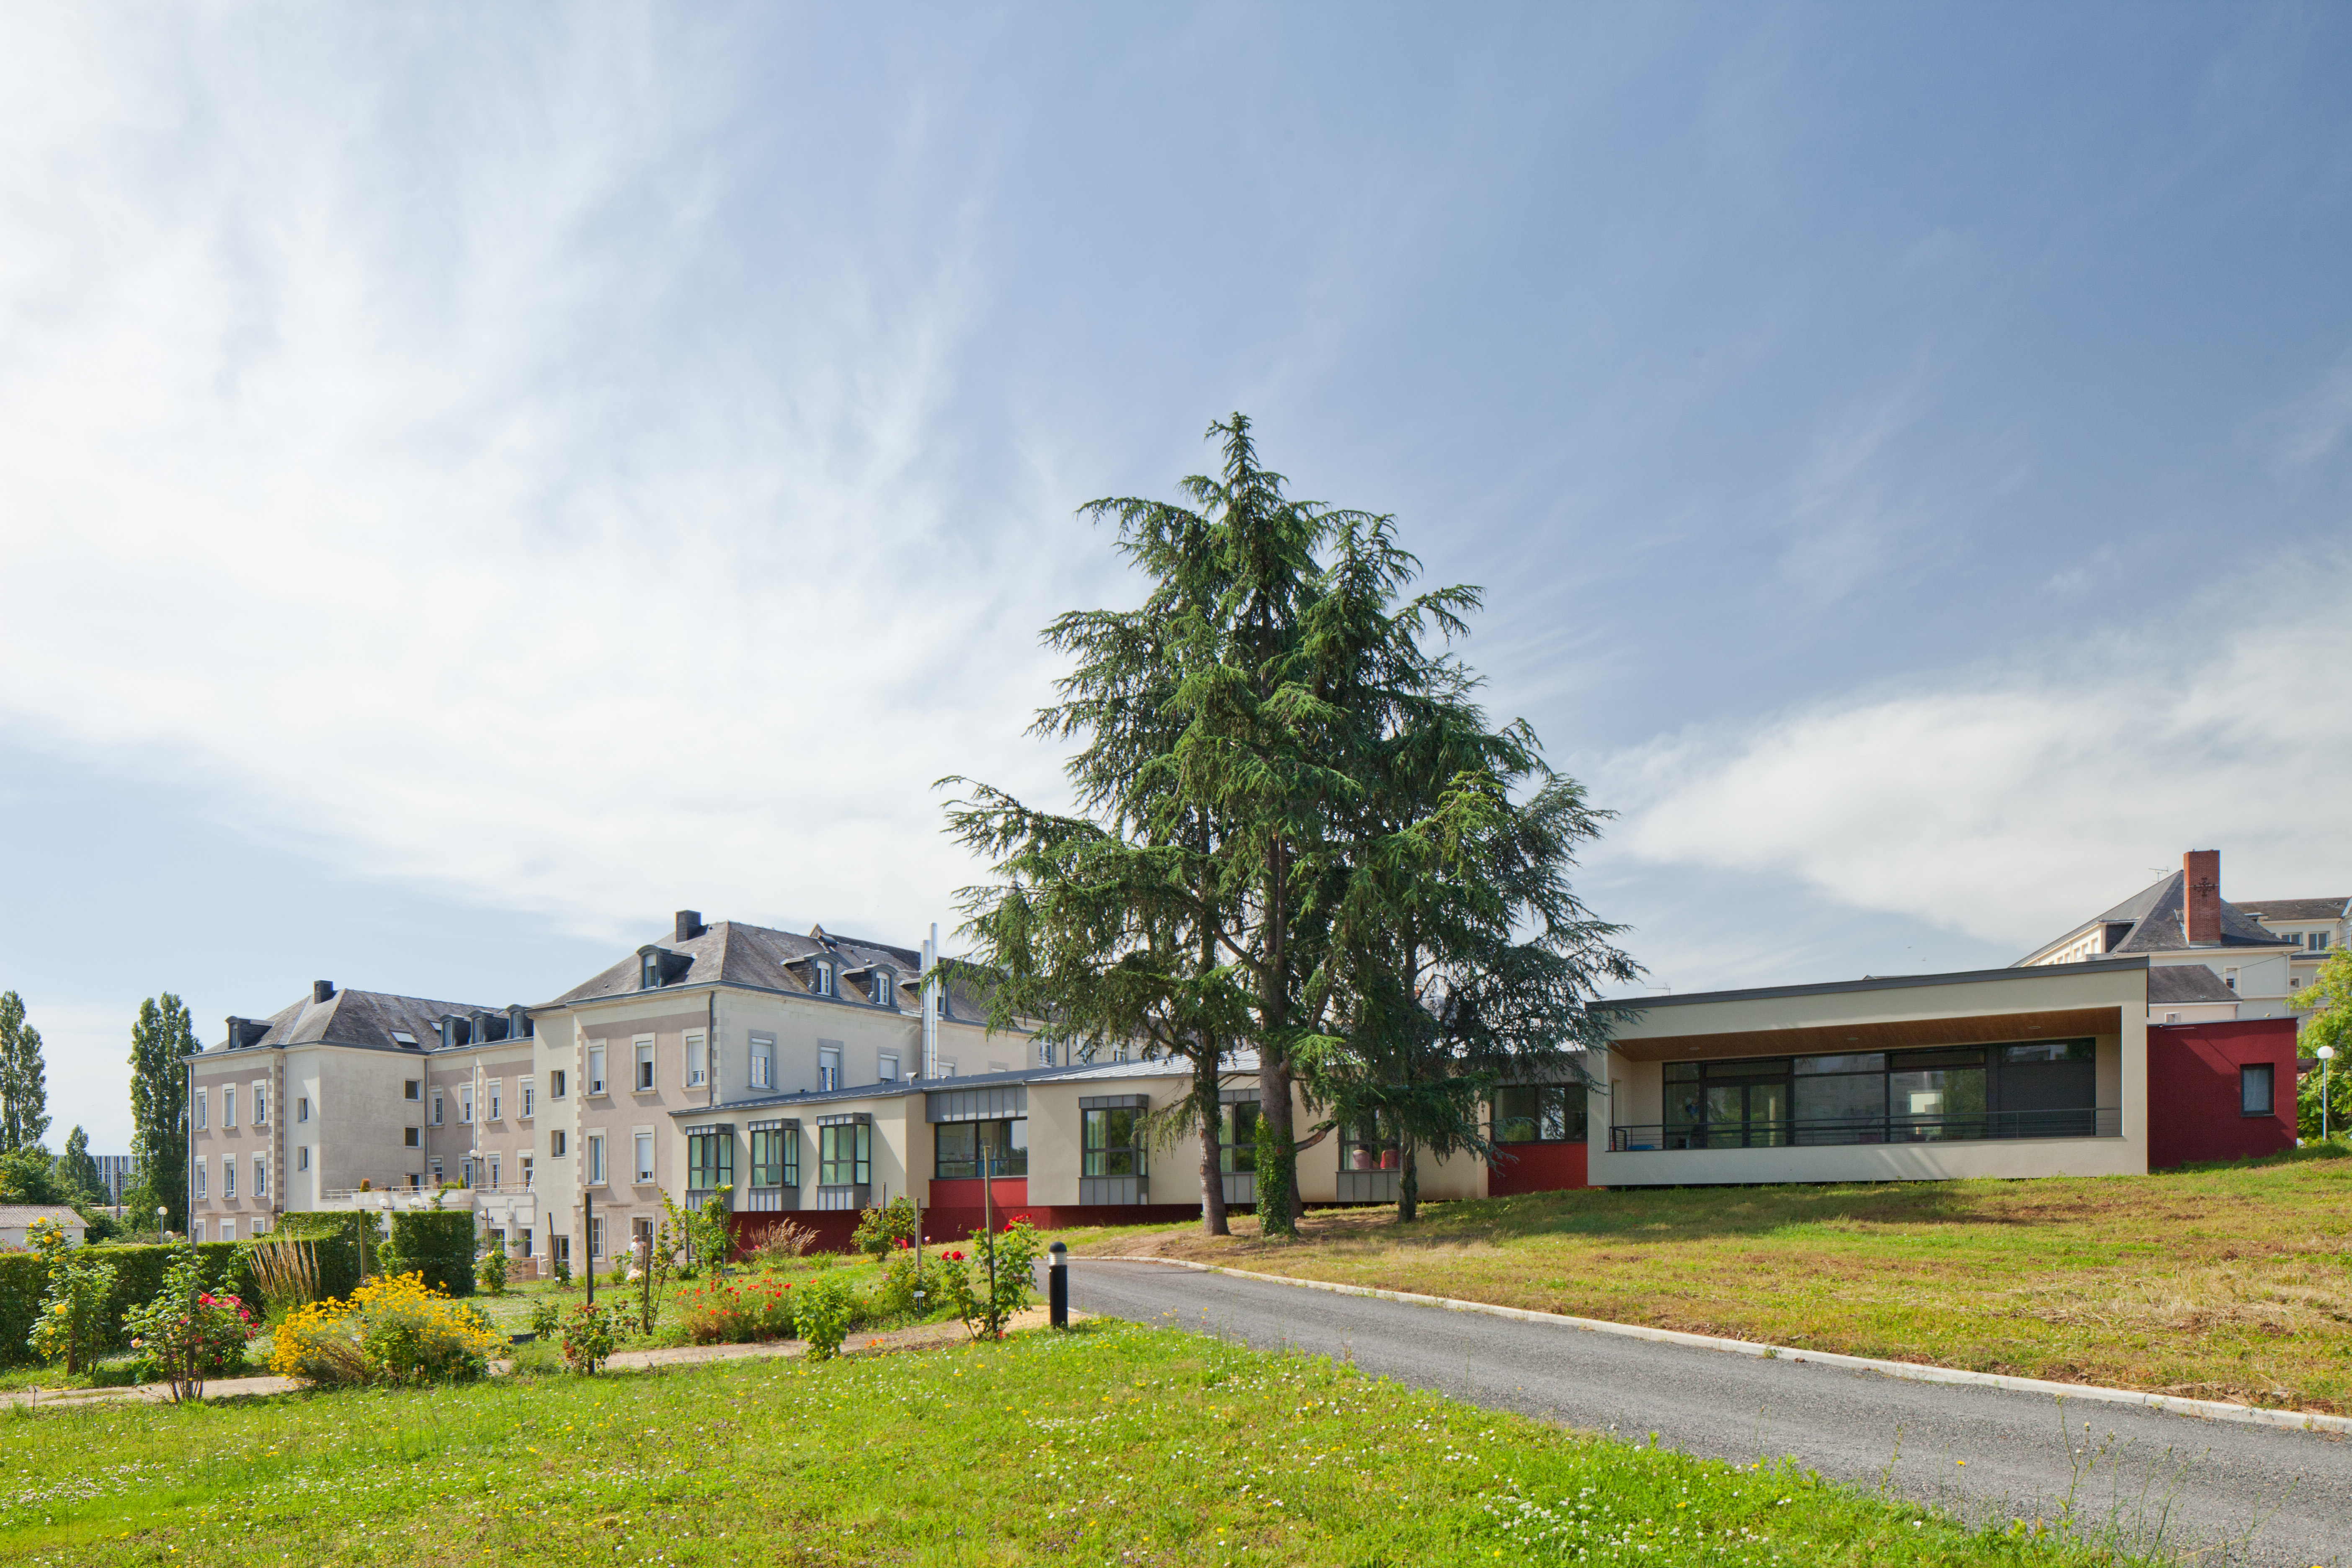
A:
{"points": [[404, 1037]]}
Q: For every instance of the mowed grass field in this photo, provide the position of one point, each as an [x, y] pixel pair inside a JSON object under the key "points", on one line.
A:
{"points": [[1113, 1444], [2220, 1283]]}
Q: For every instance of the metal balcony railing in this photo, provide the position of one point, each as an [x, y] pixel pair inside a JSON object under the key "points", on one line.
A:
{"points": [[2100, 1121]]}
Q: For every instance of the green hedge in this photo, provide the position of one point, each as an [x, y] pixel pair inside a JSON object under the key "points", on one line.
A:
{"points": [[436, 1242], [138, 1276]]}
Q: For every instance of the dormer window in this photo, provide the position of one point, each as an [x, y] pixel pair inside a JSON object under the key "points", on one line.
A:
{"points": [[649, 970], [886, 988], [821, 979]]}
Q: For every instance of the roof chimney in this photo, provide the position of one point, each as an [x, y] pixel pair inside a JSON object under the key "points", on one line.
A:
{"points": [[323, 990], [2201, 896], [690, 925]]}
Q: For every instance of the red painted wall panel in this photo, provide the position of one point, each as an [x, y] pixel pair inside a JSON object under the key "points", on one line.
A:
{"points": [[1012, 1192], [2193, 1111], [1537, 1168]]}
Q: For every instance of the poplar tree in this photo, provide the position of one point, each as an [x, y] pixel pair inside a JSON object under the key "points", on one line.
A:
{"points": [[78, 1172], [24, 1078], [161, 1042]]}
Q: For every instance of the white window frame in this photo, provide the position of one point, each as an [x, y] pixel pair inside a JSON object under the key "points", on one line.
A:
{"points": [[828, 1069], [261, 1104], [228, 1230], [413, 1089], [644, 1058], [526, 1179], [596, 1238], [196, 1228], [597, 1083], [762, 1066], [885, 1067], [203, 1109], [698, 1061], [205, 1181], [594, 1170], [228, 1105], [464, 1105], [228, 1178], [642, 1151], [527, 1094], [260, 1175], [437, 1108], [496, 1090], [557, 1082], [494, 1173]]}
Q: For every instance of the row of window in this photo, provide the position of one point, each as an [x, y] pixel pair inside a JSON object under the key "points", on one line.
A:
{"points": [[260, 1188], [200, 1106]]}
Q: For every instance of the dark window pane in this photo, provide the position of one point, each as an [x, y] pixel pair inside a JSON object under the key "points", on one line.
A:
{"points": [[2254, 1089], [2049, 1051], [1860, 1061]]}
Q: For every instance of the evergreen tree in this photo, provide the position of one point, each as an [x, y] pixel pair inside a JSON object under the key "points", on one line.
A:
{"points": [[1295, 832], [161, 1042], [24, 1078], [78, 1172]]}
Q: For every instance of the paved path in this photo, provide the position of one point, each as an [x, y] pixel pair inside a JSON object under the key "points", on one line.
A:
{"points": [[2275, 1498]]}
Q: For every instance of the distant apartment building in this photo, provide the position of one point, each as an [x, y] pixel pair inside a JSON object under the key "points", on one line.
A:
{"points": [[117, 1174], [2209, 960]]}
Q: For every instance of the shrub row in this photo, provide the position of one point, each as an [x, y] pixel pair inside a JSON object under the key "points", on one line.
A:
{"points": [[137, 1275], [437, 1244]]}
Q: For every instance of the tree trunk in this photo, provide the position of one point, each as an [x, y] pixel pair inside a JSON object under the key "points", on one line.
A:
{"points": [[1277, 1163], [1408, 1184], [1212, 1177]]}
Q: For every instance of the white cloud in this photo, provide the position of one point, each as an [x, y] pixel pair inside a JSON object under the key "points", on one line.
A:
{"points": [[385, 470], [2007, 804]]}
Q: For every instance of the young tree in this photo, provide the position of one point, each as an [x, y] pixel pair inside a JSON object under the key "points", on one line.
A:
{"points": [[24, 1085], [161, 1042]]}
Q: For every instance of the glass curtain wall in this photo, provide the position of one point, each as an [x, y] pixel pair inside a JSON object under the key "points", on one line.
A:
{"points": [[2046, 1088], [1540, 1113], [1237, 1137]]}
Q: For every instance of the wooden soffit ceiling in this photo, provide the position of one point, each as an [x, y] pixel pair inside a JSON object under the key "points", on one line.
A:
{"points": [[1907, 1034]]}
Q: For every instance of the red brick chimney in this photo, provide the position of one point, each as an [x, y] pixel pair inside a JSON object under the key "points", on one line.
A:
{"points": [[2201, 896]]}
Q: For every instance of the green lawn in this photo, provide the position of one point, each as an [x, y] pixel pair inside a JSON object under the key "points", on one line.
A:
{"points": [[2231, 1282], [1115, 1444]]}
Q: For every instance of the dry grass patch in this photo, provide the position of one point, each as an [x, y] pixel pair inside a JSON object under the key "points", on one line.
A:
{"points": [[2229, 1282]]}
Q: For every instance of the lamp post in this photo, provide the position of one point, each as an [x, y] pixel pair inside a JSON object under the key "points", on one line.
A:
{"points": [[161, 1214], [2326, 1056]]}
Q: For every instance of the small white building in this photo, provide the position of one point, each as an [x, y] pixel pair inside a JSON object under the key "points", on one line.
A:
{"points": [[17, 1220]]}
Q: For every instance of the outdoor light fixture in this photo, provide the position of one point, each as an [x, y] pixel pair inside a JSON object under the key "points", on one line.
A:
{"points": [[163, 1214], [2326, 1055]]}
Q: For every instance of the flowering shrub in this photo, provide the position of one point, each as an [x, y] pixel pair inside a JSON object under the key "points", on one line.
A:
{"points": [[998, 1283], [881, 1229], [395, 1330], [490, 1271], [824, 1314], [187, 1334], [72, 1323], [910, 1270], [588, 1337], [729, 1313]]}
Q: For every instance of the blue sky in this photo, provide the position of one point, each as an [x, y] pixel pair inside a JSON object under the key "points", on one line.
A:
{"points": [[475, 482]]}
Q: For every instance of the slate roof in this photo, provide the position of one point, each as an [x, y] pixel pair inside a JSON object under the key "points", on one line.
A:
{"points": [[2178, 983], [2153, 917], [18, 1215], [366, 1018], [729, 952], [2296, 909]]}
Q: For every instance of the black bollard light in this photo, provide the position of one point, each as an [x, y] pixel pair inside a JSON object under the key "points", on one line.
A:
{"points": [[1057, 1284]]}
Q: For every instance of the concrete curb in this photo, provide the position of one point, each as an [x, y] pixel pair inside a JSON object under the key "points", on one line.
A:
{"points": [[2207, 1409]]}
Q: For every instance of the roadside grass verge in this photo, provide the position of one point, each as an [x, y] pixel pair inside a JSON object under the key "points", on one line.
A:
{"points": [[2221, 1283], [1115, 1443]]}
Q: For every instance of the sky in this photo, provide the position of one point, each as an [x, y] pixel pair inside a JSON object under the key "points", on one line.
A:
{"points": [[476, 482]]}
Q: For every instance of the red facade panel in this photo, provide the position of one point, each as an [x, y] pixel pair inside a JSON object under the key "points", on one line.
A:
{"points": [[2195, 1077], [1537, 1168]]}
